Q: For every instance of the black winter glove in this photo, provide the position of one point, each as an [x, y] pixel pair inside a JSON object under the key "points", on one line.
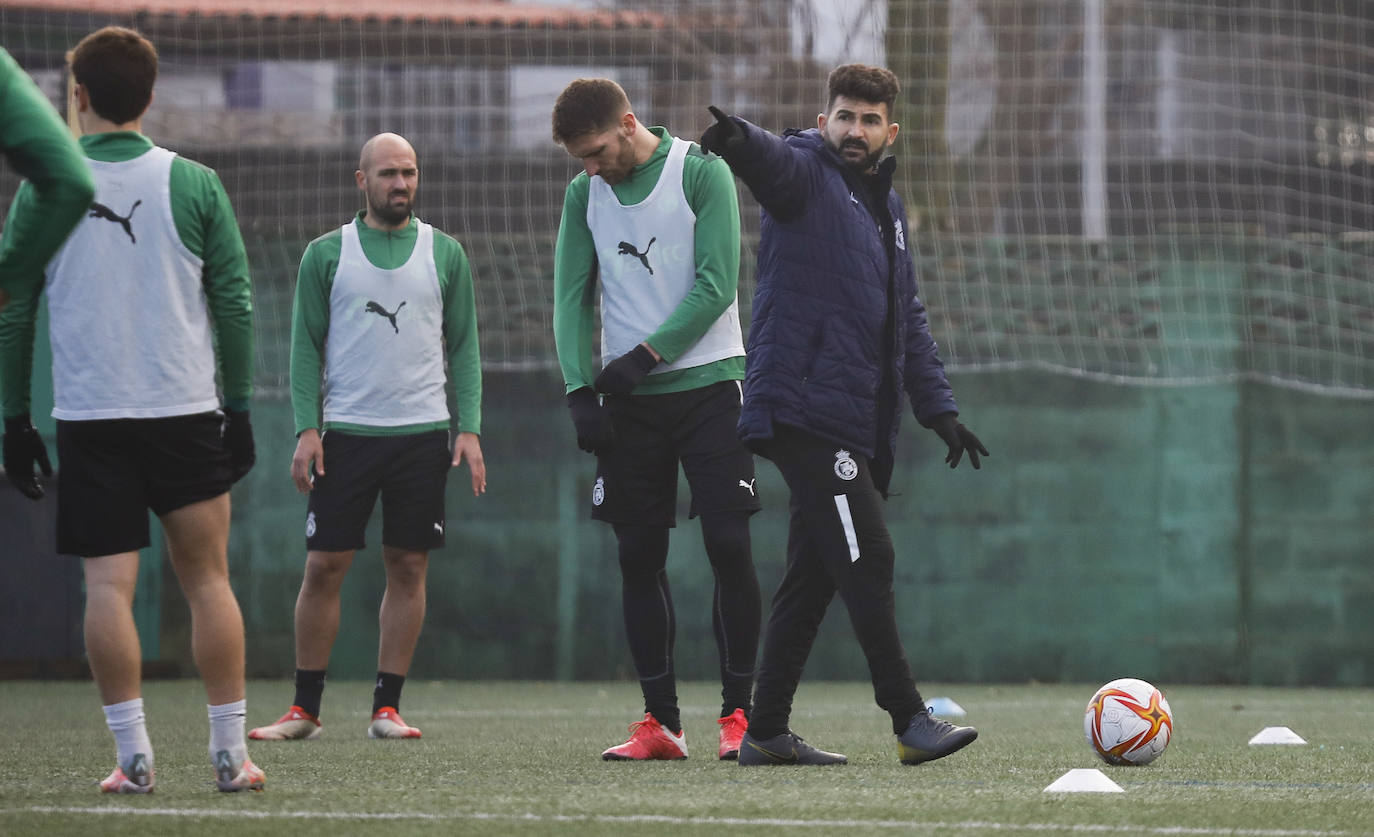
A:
{"points": [[24, 447], [594, 431], [238, 441], [725, 135], [622, 375], [959, 439]]}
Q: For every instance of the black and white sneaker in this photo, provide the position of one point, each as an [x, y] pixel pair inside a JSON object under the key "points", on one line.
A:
{"points": [[928, 738], [788, 748]]}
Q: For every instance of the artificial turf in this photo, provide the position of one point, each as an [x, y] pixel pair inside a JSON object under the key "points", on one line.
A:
{"points": [[520, 757]]}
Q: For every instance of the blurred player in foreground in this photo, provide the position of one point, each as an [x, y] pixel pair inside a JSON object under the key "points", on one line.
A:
{"points": [[41, 149], [148, 293], [383, 304]]}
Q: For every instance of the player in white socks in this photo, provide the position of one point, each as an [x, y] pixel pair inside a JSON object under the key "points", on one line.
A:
{"points": [[149, 298]]}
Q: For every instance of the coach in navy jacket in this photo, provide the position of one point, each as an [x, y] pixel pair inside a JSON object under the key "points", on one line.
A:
{"points": [[833, 261], [838, 333]]}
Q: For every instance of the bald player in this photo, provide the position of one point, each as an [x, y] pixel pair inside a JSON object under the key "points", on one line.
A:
{"points": [[381, 303]]}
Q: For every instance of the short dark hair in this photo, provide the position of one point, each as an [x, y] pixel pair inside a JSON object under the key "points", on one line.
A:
{"points": [[588, 106], [118, 67], [864, 83]]}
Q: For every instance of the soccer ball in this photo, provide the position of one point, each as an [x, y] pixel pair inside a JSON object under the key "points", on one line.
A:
{"points": [[1128, 722]]}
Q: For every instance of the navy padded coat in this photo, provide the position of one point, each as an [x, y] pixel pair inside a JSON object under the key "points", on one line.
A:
{"points": [[815, 348]]}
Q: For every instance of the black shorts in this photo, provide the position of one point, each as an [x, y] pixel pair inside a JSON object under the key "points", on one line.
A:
{"points": [[115, 470], [410, 472], [636, 481]]}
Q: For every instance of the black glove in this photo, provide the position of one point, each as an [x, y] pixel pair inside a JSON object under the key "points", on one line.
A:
{"points": [[959, 439], [24, 447], [723, 136], [594, 431], [623, 374], [238, 441]]}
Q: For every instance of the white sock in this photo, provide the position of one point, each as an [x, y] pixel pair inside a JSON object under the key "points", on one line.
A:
{"points": [[226, 730], [130, 728]]}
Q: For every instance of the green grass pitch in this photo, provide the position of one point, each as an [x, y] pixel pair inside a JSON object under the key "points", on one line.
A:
{"points": [[523, 758]]}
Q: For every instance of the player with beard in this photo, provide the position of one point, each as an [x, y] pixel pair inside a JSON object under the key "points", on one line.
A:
{"points": [[381, 304], [652, 222], [838, 334]]}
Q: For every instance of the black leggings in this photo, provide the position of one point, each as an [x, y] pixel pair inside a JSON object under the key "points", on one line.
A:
{"points": [[650, 623]]}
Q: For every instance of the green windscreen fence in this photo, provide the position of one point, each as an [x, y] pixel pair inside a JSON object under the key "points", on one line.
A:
{"points": [[1145, 226], [1061, 158]]}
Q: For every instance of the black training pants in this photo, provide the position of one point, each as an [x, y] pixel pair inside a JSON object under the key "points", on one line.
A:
{"points": [[837, 542]]}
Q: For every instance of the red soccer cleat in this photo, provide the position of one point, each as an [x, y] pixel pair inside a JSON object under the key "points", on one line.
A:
{"points": [[732, 728], [649, 740]]}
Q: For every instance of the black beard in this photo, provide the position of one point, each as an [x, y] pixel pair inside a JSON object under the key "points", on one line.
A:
{"points": [[387, 215], [863, 164], [867, 162]]}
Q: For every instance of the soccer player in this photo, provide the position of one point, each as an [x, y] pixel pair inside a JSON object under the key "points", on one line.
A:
{"points": [[655, 222], [150, 290], [34, 141], [838, 334], [381, 304]]}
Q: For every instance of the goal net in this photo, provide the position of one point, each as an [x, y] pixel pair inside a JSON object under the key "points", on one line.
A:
{"points": [[1144, 191]]}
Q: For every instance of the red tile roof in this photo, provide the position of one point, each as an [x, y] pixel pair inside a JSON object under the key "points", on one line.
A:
{"points": [[491, 13]]}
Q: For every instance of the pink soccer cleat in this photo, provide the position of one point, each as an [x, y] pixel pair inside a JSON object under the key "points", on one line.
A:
{"points": [[231, 778], [294, 725], [387, 723], [137, 779]]}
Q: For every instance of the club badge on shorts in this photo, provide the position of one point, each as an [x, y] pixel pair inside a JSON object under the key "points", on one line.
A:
{"points": [[845, 466], [310, 525], [599, 491]]}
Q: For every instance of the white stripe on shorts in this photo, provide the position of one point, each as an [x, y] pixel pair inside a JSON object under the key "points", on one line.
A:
{"points": [[847, 520]]}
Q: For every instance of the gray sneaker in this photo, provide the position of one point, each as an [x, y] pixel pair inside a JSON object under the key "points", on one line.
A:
{"points": [[788, 748], [928, 738]]}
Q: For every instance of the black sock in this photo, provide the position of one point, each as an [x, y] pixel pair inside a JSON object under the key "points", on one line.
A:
{"points": [[309, 690], [388, 691]]}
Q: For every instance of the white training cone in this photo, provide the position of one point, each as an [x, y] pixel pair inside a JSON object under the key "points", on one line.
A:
{"points": [[1084, 780], [945, 708], [1277, 735]]}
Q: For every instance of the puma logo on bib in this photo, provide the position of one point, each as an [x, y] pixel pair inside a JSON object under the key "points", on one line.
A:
{"points": [[628, 249], [376, 308], [100, 210]]}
